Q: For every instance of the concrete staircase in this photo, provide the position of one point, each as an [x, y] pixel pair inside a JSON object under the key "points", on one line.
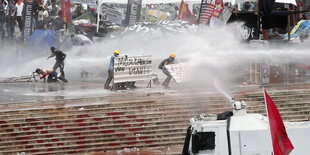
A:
{"points": [[124, 119], [293, 105], [107, 123]]}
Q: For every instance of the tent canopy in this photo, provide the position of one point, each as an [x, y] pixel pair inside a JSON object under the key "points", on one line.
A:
{"points": [[287, 1], [176, 1], [233, 2], [42, 39], [150, 1]]}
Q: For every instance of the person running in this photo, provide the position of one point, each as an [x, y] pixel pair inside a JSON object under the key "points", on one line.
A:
{"points": [[52, 75], [170, 60], [60, 58]]}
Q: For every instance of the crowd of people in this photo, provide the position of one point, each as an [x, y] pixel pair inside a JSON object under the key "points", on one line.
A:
{"points": [[48, 15], [44, 16]]}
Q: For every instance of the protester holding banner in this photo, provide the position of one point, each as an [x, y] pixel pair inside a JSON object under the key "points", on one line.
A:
{"points": [[111, 70], [170, 60]]}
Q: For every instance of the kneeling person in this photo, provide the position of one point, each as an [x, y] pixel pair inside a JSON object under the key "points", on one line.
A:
{"points": [[52, 75]]}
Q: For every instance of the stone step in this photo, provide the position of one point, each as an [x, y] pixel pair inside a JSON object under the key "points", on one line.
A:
{"points": [[92, 139], [143, 106], [89, 135], [162, 142], [108, 115], [103, 145], [100, 125]]}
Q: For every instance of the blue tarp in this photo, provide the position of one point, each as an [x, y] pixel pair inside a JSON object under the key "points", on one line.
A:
{"points": [[304, 29], [42, 39]]}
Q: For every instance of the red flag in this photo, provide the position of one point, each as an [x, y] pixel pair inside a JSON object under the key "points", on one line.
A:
{"points": [[184, 13], [219, 7], [66, 13], [280, 142]]}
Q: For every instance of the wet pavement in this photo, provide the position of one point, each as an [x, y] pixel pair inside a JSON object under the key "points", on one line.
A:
{"points": [[39, 91], [161, 150]]}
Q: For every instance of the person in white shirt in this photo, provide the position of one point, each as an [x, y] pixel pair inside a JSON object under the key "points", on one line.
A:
{"points": [[19, 14], [53, 9]]}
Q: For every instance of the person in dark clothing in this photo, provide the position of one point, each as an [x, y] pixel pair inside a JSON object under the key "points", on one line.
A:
{"points": [[170, 60], [10, 20], [79, 10], [57, 24], [52, 75], [111, 70], [60, 58], [2, 20], [35, 11]]}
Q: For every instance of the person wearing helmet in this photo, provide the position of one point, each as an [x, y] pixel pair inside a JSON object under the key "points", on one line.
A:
{"points": [[60, 58], [52, 75], [170, 60], [111, 69]]}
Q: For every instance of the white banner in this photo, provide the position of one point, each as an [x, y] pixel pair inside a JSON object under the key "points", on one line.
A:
{"points": [[287, 1], [180, 71], [111, 14], [216, 23], [227, 12], [90, 2], [233, 2], [132, 68]]}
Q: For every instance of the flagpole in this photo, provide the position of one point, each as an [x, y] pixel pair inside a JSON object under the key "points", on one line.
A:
{"points": [[266, 103], [259, 21], [198, 20], [266, 108], [158, 14], [98, 14]]}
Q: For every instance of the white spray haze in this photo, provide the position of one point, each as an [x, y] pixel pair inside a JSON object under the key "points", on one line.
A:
{"points": [[218, 55]]}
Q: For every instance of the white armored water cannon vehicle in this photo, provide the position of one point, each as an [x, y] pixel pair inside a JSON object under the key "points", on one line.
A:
{"points": [[239, 133]]}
